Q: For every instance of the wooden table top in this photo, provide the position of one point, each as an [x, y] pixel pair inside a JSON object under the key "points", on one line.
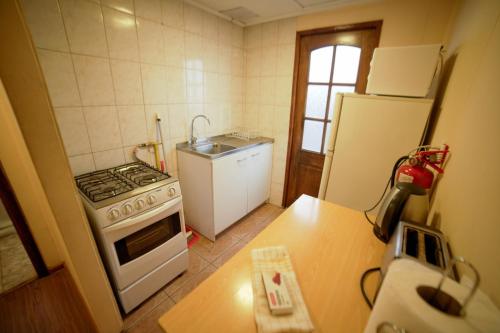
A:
{"points": [[330, 247]]}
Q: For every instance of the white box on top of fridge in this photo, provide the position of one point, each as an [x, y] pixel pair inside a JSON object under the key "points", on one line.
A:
{"points": [[403, 71], [369, 134]]}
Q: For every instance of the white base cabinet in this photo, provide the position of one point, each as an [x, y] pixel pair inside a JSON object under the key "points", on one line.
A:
{"points": [[216, 193]]}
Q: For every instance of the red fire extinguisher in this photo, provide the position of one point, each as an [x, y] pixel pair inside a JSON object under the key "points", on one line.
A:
{"points": [[416, 171]]}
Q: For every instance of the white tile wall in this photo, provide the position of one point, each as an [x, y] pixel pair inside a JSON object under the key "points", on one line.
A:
{"points": [[127, 82], [84, 27], [121, 35], [148, 9], [172, 13], [94, 80], [151, 48], [133, 126], [47, 29], [60, 77], [154, 83], [126, 6], [73, 130], [103, 127], [270, 50], [112, 65]]}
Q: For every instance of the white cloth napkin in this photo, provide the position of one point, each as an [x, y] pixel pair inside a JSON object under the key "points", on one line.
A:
{"points": [[277, 259]]}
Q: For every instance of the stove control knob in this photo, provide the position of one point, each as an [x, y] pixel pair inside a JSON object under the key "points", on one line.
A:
{"points": [[151, 199], [113, 214], [171, 192], [139, 204], [127, 209]]}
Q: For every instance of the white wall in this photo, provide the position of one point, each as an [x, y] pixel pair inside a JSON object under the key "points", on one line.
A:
{"points": [[467, 197], [110, 67], [269, 56]]}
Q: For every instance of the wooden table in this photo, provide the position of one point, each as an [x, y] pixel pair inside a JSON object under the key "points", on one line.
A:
{"points": [[330, 246]]}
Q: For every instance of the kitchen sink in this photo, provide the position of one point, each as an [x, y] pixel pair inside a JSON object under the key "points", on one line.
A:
{"points": [[213, 148]]}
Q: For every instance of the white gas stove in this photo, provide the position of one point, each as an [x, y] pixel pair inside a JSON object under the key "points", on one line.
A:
{"points": [[137, 218]]}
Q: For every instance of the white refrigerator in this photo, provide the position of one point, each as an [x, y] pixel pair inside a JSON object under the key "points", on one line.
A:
{"points": [[369, 133]]}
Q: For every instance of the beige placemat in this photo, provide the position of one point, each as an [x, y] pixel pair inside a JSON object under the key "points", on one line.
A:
{"points": [[277, 259]]}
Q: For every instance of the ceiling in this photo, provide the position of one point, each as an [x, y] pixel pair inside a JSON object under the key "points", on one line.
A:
{"points": [[249, 12]]}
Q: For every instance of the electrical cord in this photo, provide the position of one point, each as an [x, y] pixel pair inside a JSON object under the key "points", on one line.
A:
{"points": [[390, 182], [362, 285]]}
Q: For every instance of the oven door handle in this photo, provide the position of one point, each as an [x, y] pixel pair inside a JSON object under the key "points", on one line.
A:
{"points": [[143, 216]]}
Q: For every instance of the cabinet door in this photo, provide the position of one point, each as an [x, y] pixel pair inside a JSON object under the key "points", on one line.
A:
{"points": [[259, 175], [230, 189]]}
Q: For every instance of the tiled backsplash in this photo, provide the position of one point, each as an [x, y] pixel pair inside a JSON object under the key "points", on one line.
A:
{"points": [[112, 65], [270, 51]]}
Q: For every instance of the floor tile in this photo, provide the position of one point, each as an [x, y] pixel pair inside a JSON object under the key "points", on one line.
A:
{"points": [[196, 264], [192, 283], [144, 309], [209, 250], [149, 324], [229, 253], [9, 241], [242, 228], [264, 210], [15, 266]]}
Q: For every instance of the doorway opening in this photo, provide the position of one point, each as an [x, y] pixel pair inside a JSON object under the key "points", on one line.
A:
{"points": [[327, 61], [20, 259]]}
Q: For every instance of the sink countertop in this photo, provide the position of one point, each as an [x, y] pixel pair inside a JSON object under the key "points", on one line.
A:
{"points": [[330, 247], [239, 144]]}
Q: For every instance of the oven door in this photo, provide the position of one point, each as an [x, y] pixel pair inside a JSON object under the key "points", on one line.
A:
{"points": [[136, 246]]}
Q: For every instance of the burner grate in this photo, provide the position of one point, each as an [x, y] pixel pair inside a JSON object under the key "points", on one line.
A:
{"points": [[101, 185], [141, 174], [105, 184]]}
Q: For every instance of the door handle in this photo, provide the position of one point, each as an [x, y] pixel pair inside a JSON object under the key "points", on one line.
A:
{"points": [[241, 160], [256, 154]]}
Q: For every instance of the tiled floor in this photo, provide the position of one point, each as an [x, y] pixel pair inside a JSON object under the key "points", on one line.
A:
{"points": [[15, 265], [205, 257]]}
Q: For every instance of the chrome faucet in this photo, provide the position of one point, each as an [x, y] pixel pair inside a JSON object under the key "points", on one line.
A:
{"points": [[192, 139]]}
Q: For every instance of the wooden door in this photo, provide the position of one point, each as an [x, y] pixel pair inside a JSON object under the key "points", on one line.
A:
{"points": [[329, 61]]}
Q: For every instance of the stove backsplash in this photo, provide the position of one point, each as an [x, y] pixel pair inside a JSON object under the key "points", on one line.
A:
{"points": [[110, 70]]}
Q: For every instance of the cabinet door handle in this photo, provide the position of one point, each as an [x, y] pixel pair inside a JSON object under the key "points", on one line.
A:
{"points": [[243, 159], [256, 154]]}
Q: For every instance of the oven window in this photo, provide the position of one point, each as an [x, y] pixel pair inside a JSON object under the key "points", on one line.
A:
{"points": [[147, 239]]}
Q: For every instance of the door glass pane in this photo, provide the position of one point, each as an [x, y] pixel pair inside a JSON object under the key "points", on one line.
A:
{"points": [[313, 133], [346, 65], [327, 136], [335, 90], [316, 101], [147, 239], [320, 64]]}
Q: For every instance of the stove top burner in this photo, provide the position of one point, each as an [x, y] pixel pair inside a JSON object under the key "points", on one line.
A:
{"points": [[141, 174], [104, 184]]}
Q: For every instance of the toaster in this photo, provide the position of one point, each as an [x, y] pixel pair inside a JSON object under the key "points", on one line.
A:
{"points": [[414, 241]]}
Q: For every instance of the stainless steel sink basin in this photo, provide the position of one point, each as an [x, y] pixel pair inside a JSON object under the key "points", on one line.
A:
{"points": [[213, 148]]}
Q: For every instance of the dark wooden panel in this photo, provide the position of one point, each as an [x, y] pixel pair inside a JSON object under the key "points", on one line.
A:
{"points": [[308, 179], [50, 304]]}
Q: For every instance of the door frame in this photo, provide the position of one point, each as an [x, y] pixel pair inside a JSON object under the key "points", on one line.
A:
{"points": [[375, 25]]}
